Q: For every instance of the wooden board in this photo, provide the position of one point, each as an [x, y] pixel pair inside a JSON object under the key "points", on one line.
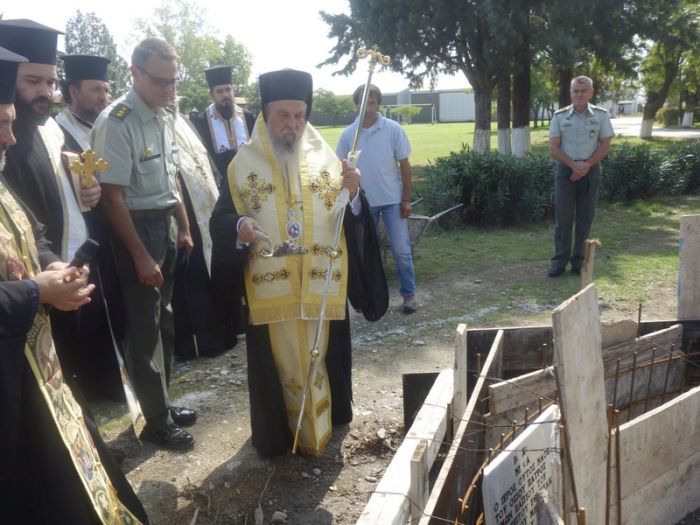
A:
{"points": [[389, 503], [459, 401], [462, 460], [577, 348], [689, 259], [660, 458]]}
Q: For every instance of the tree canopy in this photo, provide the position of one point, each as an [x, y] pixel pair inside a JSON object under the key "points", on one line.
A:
{"points": [[183, 24], [87, 34]]}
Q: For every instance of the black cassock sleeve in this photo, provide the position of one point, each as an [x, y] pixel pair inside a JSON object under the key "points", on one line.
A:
{"points": [[367, 287], [227, 262], [19, 301]]}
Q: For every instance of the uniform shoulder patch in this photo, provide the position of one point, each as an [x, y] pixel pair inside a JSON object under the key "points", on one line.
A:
{"points": [[598, 108], [562, 110], [119, 112]]}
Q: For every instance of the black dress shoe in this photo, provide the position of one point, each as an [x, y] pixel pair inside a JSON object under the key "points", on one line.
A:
{"points": [[183, 417], [172, 437], [576, 271], [555, 272]]}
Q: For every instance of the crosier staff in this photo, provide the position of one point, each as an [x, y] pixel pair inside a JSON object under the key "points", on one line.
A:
{"points": [[339, 212]]}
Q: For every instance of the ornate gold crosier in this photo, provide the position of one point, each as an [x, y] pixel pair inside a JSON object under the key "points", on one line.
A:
{"points": [[86, 166], [327, 191], [254, 193]]}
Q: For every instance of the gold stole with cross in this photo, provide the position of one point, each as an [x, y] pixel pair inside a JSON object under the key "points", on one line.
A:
{"points": [[19, 260], [285, 292]]}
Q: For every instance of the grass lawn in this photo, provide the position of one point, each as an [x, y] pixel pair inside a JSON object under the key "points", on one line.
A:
{"points": [[637, 262], [638, 257]]}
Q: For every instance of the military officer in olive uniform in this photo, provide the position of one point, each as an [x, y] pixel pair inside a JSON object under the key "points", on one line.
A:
{"points": [[579, 138], [135, 135]]}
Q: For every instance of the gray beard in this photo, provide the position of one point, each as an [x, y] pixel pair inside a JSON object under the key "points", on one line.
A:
{"points": [[287, 154]]}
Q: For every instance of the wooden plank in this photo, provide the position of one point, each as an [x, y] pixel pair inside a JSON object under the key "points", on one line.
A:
{"points": [[462, 460], [577, 347], [418, 494], [633, 387], [521, 390], [588, 262], [459, 401], [616, 332], [389, 503], [660, 459], [416, 388], [689, 259]]}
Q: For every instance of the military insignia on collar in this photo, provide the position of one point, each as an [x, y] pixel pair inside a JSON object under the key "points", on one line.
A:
{"points": [[119, 112]]}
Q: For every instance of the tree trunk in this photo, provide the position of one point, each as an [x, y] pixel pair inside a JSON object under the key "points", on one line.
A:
{"points": [[521, 97], [690, 99], [482, 126], [565, 77], [655, 100], [503, 113]]}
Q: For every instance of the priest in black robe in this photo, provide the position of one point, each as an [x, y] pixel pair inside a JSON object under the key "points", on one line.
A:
{"points": [[37, 172], [278, 199], [201, 329], [223, 126], [40, 481]]}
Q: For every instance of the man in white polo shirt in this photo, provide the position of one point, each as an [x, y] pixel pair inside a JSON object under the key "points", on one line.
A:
{"points": [[386, 179]]}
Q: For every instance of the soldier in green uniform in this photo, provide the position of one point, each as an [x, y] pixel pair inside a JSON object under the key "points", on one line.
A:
{"points": [[579, 138], [135, 135]]}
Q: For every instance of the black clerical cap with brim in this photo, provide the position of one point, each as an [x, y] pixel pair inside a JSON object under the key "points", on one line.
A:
{"points": [[30, 39], [287, 84], [218, 75], [85, 67], [9, 64]]}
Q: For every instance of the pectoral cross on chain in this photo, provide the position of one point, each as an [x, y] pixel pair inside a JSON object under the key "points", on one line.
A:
{"points": [[88, 167]]}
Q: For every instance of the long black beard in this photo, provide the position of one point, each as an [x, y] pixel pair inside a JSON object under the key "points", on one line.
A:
{"points": [[225, 111], [26, 114]]}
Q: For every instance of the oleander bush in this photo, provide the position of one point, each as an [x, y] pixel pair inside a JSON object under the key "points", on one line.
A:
{"points": [[502, 190]]}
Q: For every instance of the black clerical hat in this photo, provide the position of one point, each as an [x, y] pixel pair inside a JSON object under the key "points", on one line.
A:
{"points": [[30, 39], [218, 75], [9, 64], [85, 67], [287, 84]]}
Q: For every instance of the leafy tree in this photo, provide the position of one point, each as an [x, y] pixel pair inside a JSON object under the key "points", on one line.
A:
{"points": [[427, 37], [86, 34], [183, 24], [335, 106], [676, 34], [405, 113], [689, 84], [236, 55], [543, 90], [252, 93]]}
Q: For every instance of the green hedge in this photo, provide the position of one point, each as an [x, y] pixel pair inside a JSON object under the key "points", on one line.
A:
{"points": [[502, 190]]}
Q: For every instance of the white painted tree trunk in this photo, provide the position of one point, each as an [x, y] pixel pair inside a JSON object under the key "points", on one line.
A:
{"points": [[482, 140], [687, 119], [521, 141], [504, 141], [646, 129]]}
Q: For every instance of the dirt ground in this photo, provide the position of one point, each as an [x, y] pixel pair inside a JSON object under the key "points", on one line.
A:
{"points": [[223, 481]]}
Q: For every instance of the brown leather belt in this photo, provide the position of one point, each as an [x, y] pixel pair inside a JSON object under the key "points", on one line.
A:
{"points": [[151, 214]]}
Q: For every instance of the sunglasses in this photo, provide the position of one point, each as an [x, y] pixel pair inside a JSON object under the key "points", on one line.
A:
{"points": [[159, 81]]}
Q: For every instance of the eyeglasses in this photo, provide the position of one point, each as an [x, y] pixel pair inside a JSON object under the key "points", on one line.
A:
{"points": [[159, 81]]}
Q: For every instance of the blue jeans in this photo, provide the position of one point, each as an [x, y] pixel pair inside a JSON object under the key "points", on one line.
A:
{"points": [[397, 232]]}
